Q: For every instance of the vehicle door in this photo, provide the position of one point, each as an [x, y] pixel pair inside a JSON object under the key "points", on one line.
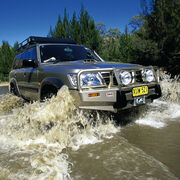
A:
{"points": [[16, 73], [30, 76]]}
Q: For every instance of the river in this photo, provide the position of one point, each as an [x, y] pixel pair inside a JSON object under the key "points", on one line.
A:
{"points": [[55, 140]]}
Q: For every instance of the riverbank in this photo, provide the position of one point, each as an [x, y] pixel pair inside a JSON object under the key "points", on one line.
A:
{"points": [[4, 84]]}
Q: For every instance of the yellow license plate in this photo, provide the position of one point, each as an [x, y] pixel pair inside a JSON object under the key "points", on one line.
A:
{"points": [[139, 91]]}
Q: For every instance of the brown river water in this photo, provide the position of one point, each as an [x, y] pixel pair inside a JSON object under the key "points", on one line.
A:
{"points": [[55, 140]]}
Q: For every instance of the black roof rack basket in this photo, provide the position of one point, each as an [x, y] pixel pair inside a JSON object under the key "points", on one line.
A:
{"points": [[35, 39]]}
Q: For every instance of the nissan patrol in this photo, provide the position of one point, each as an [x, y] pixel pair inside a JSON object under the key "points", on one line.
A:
{"points": [[43, 65]]}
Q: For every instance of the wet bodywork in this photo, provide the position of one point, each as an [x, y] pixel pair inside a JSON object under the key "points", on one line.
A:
{"points": [[34, 81]]}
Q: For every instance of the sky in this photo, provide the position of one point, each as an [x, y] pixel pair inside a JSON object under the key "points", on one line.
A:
{"points": [[20, 19]]}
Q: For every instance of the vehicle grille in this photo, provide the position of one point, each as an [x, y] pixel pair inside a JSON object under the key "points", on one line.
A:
{"points": [[106, 77], [138, 76]]}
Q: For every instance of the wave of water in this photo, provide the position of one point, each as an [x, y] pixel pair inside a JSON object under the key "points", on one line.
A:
{"points": [[159, 114], [8, 102], [167, 108], [38, 134], [35, 137], [170, 88]]}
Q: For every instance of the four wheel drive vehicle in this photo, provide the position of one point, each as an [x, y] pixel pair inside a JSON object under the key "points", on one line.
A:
{"points": [[43, 65]]}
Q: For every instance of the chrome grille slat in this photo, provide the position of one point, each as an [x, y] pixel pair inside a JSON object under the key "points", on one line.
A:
{"points": [[137, 75], [106, 77]]}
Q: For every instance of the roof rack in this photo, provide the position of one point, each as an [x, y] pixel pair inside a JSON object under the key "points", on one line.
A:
{"points": [[35, 39]]}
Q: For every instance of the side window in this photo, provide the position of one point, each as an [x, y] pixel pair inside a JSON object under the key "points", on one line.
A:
{"points": [[16, 63], [24, 59], [25, 56], [28, 55], [32, 53], [20, 65]]}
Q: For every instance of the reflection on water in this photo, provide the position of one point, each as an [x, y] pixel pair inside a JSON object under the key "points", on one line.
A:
{"points": [[117, 158], [55, 140]]}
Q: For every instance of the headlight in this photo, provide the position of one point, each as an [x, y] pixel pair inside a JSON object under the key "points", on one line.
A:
{"points": [[149, 75], [125, 77], [86, 79], [73, 79], [90, 79]]}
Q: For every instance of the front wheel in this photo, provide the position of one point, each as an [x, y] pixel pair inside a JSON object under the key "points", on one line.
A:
{"points": [[48, 92], [13, 89]]}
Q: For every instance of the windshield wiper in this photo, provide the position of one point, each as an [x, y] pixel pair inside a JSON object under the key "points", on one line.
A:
{"points": [[84, 60], [63, 60]]}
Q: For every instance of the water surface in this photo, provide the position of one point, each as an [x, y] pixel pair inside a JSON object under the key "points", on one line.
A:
{"points": [[55, 140]]}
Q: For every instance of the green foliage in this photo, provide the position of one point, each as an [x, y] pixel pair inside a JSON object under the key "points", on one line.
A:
{"points": [[154, 40], [101, 27], [82, 29], [75, 29], [136, 22], [117, 46], [156, 37], [163, 25], [3, 78], [144, 51], [7, 54], [114, 32]]}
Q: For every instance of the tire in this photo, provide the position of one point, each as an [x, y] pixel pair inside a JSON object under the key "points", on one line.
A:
{"points": [[14, 90], [48, 93]]}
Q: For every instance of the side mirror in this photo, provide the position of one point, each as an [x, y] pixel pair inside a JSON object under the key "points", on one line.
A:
{"points": [[30, 63]]}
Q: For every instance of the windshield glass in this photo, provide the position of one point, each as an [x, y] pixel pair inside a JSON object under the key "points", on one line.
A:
{"points": [[60, 53]]}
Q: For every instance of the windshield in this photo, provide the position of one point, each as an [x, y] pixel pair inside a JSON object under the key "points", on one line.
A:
{"points": [[61, 53]]}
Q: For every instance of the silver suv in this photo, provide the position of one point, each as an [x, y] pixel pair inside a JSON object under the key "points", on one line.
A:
{"points": [[43, 65]]}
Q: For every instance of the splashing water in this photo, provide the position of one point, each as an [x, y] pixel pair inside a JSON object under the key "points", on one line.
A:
{"points": [[38, 133], [8, 102], [35, 138], [158, 113], [170, 88]]}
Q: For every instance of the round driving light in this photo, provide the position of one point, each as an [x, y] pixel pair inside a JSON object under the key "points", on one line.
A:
{"points": [[125, 77], [149, 75]]}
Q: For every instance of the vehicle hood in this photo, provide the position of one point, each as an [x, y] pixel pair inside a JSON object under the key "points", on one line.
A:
{"points": [[81, 65]]}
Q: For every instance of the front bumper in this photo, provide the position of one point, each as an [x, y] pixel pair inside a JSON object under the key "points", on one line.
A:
{"points": [[112, 99], [114, 96]]}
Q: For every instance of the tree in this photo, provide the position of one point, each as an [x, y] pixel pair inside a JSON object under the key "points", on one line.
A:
{"points": [[82, 29], [59, 29], [94, 36], [16, 46], [125, 46], [101, 28], [51, 32], [66, 26], [155, 34], [162, 25], [75, 29], [114, 32], [84, 25], [136, 22], [7, 54]]}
